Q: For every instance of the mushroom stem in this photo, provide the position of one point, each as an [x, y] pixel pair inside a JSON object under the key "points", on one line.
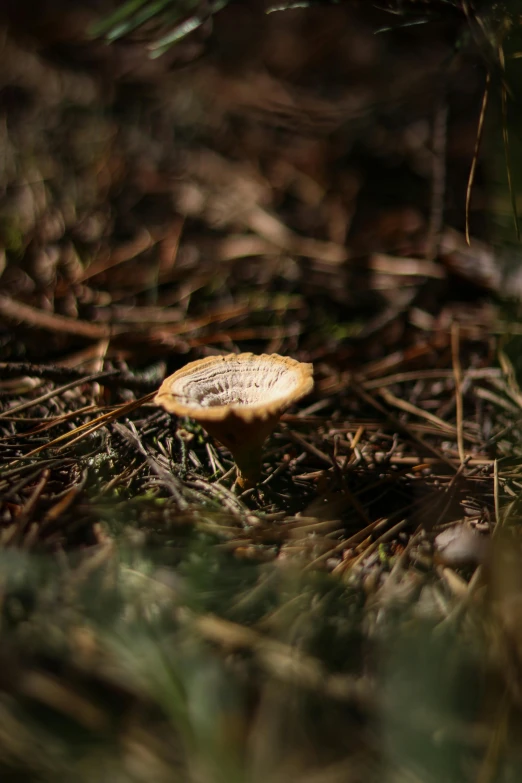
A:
{"points": [[248, 464], [245, 442]]}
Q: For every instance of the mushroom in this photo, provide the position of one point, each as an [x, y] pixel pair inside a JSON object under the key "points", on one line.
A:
{"points": [[238, 399]]}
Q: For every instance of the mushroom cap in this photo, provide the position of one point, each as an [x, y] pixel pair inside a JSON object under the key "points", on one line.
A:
{"points": [[242, 386]]}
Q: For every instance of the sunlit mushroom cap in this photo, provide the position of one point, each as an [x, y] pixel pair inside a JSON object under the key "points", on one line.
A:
{"points": [[243, 385], [238, 399]]}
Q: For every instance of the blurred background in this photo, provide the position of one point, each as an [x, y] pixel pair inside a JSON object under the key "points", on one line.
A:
{"points": [[277, 153]]}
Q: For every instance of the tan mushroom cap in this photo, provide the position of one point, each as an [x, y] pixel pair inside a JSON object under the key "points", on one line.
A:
{"points": [[250, 386], [238, 398]]}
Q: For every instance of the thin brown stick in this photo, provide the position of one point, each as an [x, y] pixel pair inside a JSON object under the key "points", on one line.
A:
{"points": [[55, 392], [404, 405], [12, 310], [399, 425], [268, 227], [309, 447], [499, 519], [91, 426], [141, 242], [57, 373], [47, 424], [457, 371], [344, 565], [127, 408], [478, 140], [428, 375], [342, 545]]}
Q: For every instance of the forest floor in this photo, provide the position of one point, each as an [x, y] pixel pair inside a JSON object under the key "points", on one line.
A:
{"points": [[300, 189]]}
